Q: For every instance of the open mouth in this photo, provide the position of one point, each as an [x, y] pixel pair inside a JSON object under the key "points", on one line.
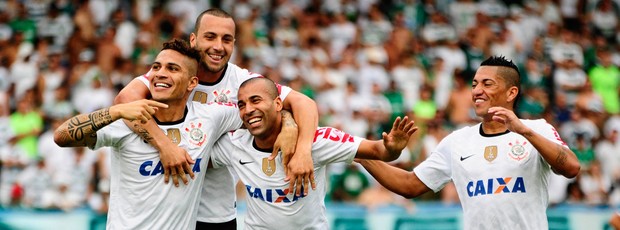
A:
{"points": [[162, 85], [216, 57], [254, 120]]}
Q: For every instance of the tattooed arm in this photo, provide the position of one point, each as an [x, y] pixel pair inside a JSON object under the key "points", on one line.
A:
{"points": [[81, 130], [562, 160]]}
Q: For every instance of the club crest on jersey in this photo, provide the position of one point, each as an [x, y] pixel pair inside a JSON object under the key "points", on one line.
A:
{"points": [[517, 150], [221, 96], [200, 97], [490, 153], [196, 135], [269, 166], [174, 135]]}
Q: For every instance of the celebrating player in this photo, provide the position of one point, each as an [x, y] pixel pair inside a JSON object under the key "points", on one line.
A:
{"points": [[499, 167], [271, 205], [139, 198]]}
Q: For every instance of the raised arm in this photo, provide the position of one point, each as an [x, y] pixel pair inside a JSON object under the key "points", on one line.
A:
{"points": [[81, 130], [397, 180], [175, 160], [392, 145], [300, 168], [562, 160]]}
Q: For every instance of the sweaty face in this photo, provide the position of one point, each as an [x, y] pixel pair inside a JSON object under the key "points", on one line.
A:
{"points": [[258, 110], [215, 40], [488, 90], [170, 76]]}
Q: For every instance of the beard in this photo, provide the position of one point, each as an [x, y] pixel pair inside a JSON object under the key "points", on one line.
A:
{"points": [[211, 68]]}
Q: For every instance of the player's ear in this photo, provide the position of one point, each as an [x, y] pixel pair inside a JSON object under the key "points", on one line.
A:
{"points": [[279, 104], [512, 93], [193, 82], [192, 40]]}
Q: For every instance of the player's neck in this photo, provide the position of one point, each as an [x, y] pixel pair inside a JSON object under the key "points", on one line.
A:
{"points": [[206, 76], [268, 140], [174, 112], [493, 127]]}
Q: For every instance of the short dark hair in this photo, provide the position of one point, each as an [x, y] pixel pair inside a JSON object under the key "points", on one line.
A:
{"points": [[272, 88], [183, 48], [509, 76], [213, 11], [510, 73]]}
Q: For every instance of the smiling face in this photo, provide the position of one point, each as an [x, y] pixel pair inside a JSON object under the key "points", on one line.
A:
{"points": [[490, 90], [173, 76], [215, 39], [259, 108]]}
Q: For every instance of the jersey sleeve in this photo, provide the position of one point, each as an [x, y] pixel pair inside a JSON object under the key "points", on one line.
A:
{"points": [[144, 79], [332, 145], [436, 170], [284, 91], [111, 135], [548, 131], [227, 117], [220, 156]]}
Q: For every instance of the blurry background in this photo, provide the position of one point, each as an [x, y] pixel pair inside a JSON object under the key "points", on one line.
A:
{"points": [[363, 61]]}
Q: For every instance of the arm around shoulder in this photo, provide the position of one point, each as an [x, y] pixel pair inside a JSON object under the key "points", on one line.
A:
{"points": [[135, 90]]}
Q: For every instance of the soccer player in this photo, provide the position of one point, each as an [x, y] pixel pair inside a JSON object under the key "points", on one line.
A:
{"points": [[139, 198], [271, 205], [214, 37], [499, 166]]}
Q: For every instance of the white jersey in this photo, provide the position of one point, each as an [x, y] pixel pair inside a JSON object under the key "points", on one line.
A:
{"points": [[270, 203], [218, 199], [139, 198], [501, 179]]}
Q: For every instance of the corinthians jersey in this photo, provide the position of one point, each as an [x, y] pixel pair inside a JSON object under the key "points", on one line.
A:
{"points": [[139, 199], [270, 204], [501, 179], [218, 199]]}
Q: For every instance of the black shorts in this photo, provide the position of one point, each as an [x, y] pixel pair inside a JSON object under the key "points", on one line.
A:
{"points": [[230, 225]]}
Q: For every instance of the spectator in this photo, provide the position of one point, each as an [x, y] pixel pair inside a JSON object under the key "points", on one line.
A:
{"points": [[605, 78], [27, 124]]}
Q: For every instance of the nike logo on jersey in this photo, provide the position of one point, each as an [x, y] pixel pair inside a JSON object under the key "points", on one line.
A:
{"points": [[244, 162], [465, 158]]}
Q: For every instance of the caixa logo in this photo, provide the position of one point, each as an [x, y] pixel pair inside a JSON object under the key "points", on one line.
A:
{"points": [[495, 186], [272, 195], [147, 169]]}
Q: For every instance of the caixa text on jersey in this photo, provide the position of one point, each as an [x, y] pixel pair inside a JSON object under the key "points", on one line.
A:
{"points": [[147, 169], [495, 185]]}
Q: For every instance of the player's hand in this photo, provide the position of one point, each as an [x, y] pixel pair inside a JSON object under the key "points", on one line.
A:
{"points": [[398, 138], [176, 162], [300, 172], [285, 143], [137, 110], [508, 118]]}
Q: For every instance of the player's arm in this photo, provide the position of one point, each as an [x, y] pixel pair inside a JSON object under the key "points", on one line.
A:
{"points": [[563, 161], [300, 167], [397, 180], [174, 159], [393, 143], [81, 130]]}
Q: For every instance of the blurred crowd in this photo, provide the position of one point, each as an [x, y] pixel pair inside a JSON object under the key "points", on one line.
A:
{"points": [[364, 62]]}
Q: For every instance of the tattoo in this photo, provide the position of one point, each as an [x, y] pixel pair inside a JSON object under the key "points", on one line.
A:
{"points": [[142, 132], [287, 119], [562, 156], [80, 126]]}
